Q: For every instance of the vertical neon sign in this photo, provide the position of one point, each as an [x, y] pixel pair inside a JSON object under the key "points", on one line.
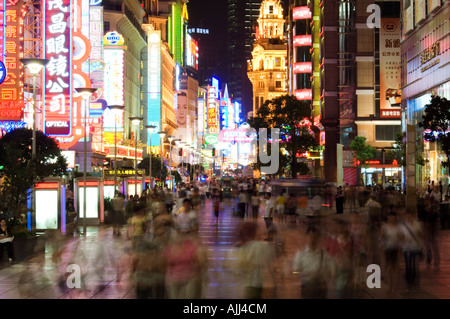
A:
{"points": [[154, 85], [11, 26], [58, 80]]}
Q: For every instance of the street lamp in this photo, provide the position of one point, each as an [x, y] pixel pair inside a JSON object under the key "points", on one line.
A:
{"points": [[170, 138], [34, 66], [85, 94], [115, 109], [161, 135], [136, 120], [150, 129]]}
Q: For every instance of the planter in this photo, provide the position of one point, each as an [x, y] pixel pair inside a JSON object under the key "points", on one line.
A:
{"points": [[25, 248]]}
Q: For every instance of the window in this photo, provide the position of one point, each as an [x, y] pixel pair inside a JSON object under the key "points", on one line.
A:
{"points": [[270, 9], [256, 103], [261, 100], [277, 62], [387, 132], [106, 26], [261, 84], [278, 84]]}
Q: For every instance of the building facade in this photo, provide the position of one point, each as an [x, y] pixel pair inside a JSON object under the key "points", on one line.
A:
{"points": [[267, 68], [425, 66]]}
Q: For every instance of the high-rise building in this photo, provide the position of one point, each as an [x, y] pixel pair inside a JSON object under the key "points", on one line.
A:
{"points": [[267, 68], [425, 72], [242, 23], [355, 86]]}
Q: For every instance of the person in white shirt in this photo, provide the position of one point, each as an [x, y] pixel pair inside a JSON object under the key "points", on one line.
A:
{"points": [[314, 266], [255, 202], [268, 216]]}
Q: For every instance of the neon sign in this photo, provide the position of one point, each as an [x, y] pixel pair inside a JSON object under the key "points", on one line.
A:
{"points": [[305, 94], [11, 38], [302, 67], [154, 86], [58, 84], [299, 13], [3, 72], [8, 126], [114, 76], [302, 40]]}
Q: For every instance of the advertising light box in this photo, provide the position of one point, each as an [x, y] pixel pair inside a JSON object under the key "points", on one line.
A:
{"points": [[91, 202], [47, 209], [299, 13]]}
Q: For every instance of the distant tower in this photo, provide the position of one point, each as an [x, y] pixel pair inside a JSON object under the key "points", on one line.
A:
{"points": [[267, 69]]}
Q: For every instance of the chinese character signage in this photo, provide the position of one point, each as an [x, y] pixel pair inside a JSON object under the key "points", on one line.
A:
{"points": [[390, 60], [114, 76], [212, 110], [154, 86], [11, 41], [302, 67], [305, 94], [58, 85], [201, 119], [302, 40], [299, 13]]}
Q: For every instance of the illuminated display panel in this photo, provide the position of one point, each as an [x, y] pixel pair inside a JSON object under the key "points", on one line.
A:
{"points": [[131, 187], [47, 208], [303, 67], [212, 110], [302, 40], [299, 13], [390, 68], [114, 76], [305, 94], [91, 202], [201, 120], [154, 86], [11, 38], [58, 83], [96, 39], [224, 106], [191, 52]]}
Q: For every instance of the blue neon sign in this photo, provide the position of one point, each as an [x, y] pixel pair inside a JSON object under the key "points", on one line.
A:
{"points": [[3, 72]]}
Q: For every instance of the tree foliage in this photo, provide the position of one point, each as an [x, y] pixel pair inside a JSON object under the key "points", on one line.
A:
{"points": [[293, 118], [19, 171], [399, 151], [157, 171], [435, 122], [363, 152]]}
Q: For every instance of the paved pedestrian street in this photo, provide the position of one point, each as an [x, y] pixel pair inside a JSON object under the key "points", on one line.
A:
{"points": [[39, 278]]}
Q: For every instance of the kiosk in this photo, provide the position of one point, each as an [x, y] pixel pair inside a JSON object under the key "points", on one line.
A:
{"points": [[50, 204], [94, 200], [130, 186]]}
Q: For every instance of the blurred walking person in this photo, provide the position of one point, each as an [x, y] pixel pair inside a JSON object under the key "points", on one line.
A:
{"points": [[255, 201], [339, 201], [118, 204], [391, 237], [412, 238], [313, 265], [268, 216]]}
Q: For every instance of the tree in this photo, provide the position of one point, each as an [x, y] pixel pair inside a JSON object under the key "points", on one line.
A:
{"points": [[363, 152], [435, 122], [399, 151], [293, 118], [19, 171], [157, 170]]}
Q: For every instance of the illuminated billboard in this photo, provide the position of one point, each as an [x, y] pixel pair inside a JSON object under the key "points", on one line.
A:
{"points": [[305, 94], [114, 76], [191, 52], [11, 42], [303, 67], [299, 13], [215, 83], [212, 110], [201, 117], [390, 67], [154, 86], [58, 83], [302, 40]]}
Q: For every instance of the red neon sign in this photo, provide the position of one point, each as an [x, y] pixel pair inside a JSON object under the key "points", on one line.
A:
{"points": [[299, 13], [11, 42], [305, 94], [47, 186], [303, 67], [58, 83], [108, 182], [302, 40], [89, 183]]}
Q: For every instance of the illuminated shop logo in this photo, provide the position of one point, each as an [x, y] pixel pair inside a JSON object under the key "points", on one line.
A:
{"points": [[114, 38], [2, 72]]}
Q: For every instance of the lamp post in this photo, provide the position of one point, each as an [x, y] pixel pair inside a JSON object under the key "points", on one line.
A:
{"points": [[34, 66], [136, 121], [150, 129], [177, 141], [161, 135], [85, 94], [170, 138], [115, 109]]}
